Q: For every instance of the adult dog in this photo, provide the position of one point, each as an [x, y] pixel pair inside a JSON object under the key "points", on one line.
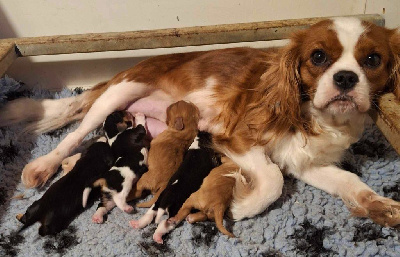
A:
{"points": [[288, 111]]}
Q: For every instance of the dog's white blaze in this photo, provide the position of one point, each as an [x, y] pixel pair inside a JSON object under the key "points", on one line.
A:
{"points": [[195, 144], [348, 30]]}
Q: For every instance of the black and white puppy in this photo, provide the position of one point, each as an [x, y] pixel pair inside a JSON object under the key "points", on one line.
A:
{"points": [[129, 148], [199, 160], [63, 200]]}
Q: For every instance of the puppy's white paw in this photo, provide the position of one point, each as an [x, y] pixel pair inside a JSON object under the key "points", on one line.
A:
{"points": [[128, 209], [157, 237], [140, 119], [96, 218]]}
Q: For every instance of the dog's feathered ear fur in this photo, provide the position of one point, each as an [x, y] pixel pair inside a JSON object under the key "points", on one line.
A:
{"points": [[280, 87], [394, 83]]}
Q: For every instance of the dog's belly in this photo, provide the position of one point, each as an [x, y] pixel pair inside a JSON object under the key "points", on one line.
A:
{"points": [[154, 107]]}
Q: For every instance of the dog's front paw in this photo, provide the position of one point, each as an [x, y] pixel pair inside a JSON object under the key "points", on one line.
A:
{"points": [[383, 211], [37, 172]]}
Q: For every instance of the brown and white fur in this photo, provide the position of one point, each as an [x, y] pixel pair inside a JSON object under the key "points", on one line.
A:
{"points": [[273, 112], [168, 148], [212, 199]]}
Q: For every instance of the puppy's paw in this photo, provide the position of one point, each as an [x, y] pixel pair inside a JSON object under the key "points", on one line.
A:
{"points": [[172, 221], [190, 219], [37, 172], [128, 209], [98, 219], [382, 210], [135, 224], [140, 119], [157, 237]]}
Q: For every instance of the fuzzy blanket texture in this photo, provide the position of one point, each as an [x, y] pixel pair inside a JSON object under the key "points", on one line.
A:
{"points": [[304, 222]]}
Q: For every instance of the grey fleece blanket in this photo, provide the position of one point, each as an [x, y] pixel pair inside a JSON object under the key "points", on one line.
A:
{"points": [[303, 222]]}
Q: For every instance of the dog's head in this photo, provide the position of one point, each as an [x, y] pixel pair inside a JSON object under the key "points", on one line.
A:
{"points": [[340, 65], [344, 63], [182, 115], [117, 122]]}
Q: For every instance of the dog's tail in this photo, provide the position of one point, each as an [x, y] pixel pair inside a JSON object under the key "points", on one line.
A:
{"points": [[45, 115], [86, 192], [252, 196]]}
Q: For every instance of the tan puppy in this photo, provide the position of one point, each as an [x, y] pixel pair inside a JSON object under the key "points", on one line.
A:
{"points": [[167, 149], [212, 199]]}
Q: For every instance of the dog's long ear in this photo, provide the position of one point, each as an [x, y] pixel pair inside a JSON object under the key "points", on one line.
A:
{"points": [[394, 83], [281, 89], [178, 124]]}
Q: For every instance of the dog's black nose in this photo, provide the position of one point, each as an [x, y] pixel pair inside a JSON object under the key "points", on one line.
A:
{"points": [[345, 79]]}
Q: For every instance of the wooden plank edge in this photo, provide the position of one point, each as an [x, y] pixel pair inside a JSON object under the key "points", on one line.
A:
{"points": [[387, 118], [7, 56], [176, 37]]}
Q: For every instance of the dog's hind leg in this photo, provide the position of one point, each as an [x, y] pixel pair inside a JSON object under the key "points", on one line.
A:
{"points": [[184, 211], [145, 219], [219, 217], [196, 217], [116, 97], [102, 209], [150, 202]]}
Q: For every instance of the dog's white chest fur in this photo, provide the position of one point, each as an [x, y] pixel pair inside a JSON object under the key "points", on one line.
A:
{"points": [[295, 153]]}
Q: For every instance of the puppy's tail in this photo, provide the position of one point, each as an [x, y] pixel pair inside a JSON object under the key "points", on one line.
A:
{"points": [[253, 197], [86, 192], [45, 115]]}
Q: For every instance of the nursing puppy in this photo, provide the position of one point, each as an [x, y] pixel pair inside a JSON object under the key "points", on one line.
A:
{"points": [[63, 200], [199, 160], [212, 199], [167, 149], [128, 146]]}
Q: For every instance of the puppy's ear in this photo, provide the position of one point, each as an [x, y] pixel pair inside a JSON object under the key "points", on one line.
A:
{"points": [[394, 83], [178, 124]]}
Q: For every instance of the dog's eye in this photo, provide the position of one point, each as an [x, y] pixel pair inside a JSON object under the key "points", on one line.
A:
{"points": [[373, 60], [318, 57]]}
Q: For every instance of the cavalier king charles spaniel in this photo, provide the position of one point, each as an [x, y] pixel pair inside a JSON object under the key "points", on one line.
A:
{"points": [[292, 110]]}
